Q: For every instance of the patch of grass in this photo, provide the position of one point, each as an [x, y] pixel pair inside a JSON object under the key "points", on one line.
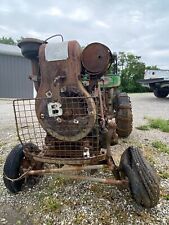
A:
{"points": [[164, 175], [79, 218], [151, 160], [159, 123], [97, 189], [162, 147], [166, 197], [49, 222], [1, 160], [2, 144], [143, 127], [47, 202], [104, 217], [50, 204], [60, 181]]}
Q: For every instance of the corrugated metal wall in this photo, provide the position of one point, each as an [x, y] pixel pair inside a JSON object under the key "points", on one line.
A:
{"points": [[14, 72]]}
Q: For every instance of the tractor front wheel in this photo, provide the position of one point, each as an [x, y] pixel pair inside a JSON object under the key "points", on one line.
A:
{"points": [[13, 169], [143, 180]]}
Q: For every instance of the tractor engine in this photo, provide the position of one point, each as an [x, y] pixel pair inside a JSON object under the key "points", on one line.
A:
{"points": [[72, 112]]}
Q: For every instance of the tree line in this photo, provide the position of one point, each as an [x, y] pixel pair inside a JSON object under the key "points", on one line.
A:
{"points": [[130, 67]]}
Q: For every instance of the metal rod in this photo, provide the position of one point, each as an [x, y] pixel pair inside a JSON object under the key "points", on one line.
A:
{"points": [[101, 103], [16, 123], [56, 35], [67, 169], [96, 179], [75, 177]]}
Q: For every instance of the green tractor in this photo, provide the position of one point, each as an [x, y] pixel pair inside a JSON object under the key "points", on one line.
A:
{"points": [[117, 102]]}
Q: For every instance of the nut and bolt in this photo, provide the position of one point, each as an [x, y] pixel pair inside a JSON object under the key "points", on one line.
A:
{"points": [[42, 116], [59, 120], [75, 121]]}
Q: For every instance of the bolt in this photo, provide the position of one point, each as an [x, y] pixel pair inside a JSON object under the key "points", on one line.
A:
{"points": [[75, 121], [42, 116], [59, 120], [48, 94]]}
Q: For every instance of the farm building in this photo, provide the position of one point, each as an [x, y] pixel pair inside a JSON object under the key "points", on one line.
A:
{"points": [[14, 73]]}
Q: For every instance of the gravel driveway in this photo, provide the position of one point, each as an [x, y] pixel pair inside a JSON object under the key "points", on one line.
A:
{"points": [[58, 201]]}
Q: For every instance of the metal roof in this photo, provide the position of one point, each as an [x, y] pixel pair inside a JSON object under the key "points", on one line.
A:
{"points": [[10, 50]]}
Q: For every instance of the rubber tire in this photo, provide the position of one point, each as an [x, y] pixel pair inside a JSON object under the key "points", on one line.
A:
{"points": [[123, 115], [160, 93], [143, 179], [12, 167]]}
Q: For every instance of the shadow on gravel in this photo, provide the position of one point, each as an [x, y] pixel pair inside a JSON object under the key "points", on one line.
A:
{"points": [[12, 216]]}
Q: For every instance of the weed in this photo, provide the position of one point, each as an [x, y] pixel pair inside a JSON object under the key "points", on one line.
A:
{"points": [[49, 204], [60, 181], [49, 222], [165, 196], [164, 175], [157, 123], [160, 124], [1, 159], [150, 159], [162, 147], [2, 144], [97, 189], [79, 218]]}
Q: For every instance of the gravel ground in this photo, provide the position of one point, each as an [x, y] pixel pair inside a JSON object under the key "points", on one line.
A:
{"points": [[60, 201]]}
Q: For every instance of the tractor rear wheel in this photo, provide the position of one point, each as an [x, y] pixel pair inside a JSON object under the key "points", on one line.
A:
{"points": [[123, 115], [143, 180]]}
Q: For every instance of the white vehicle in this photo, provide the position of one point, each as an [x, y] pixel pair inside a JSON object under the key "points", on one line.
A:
{"points": [[158, 81]]}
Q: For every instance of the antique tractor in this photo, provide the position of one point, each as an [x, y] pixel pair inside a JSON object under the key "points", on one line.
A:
{"points": [[72, 121]]}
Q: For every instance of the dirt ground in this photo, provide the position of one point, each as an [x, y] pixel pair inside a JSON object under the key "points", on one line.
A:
{"points": [[27, 208]]}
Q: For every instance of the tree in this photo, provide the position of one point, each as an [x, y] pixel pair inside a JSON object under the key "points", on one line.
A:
{"points": [[20, 39], [152, 68], [131, 70], [7, 40]]}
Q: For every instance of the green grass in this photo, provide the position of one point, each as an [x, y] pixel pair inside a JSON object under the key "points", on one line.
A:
{"points": [[157, 123], [162, 147], [165, 196], [164, 175], [49, 204], [160, 124]]}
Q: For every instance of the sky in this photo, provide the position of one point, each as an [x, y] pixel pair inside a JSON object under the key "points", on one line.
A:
{"points": [[140, 27]]}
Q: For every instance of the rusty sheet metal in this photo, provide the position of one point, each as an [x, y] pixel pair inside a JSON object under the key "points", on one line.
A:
{"points": [[61, 79], [96, 58]]}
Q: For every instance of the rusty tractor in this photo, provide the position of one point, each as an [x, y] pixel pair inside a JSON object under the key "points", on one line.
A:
{"points": [[74, 121]]}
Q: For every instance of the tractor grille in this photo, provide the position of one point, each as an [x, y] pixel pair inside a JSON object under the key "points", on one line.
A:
{"points": [[30, 130]]}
